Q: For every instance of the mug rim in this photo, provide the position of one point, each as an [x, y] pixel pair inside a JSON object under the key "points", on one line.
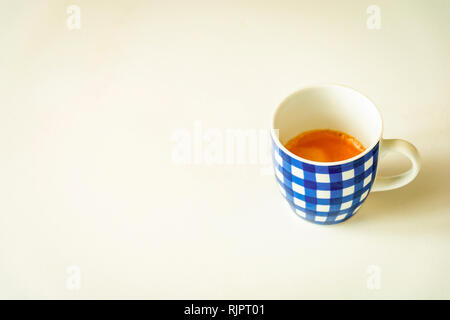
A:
{"points": [[276, 139]]}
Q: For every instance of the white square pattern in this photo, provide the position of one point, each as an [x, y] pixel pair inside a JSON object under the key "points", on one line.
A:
{"points": [[321, 219], [279, 175], [367, 180], [299, 202], [347, 191], [297, 172], [323, 194], [321, 177], [364, 195], [368, 164], [340, 217], [346, 205], [298, 188], [356, 209], [323, 208], [349, 174], [278, 158]]}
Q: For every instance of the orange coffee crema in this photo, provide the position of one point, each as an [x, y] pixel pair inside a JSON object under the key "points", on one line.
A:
{"points": [[325, 145]]}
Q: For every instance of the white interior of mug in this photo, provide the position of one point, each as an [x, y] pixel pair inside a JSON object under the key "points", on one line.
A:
{"points": [[332, 107]]}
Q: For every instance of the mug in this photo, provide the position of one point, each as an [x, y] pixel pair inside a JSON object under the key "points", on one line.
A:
{"points": [[332, 192]]}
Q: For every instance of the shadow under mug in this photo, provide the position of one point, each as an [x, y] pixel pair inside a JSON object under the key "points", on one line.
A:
{"points": [[332, 192]]}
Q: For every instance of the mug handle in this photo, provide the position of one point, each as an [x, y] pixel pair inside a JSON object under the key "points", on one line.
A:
{"points": [[399, 180]]}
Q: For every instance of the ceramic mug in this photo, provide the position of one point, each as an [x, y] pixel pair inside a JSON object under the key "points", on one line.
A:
{"points": [[332, 192]]}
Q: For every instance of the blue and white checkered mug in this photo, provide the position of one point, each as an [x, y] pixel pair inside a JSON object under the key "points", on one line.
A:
{"points": [[332, 192]]}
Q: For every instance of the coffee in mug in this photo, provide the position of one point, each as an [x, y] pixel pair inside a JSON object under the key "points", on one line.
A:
{"points": [[325, 145], [327, 175]]}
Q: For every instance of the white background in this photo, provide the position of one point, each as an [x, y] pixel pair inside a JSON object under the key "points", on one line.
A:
{"points": [[86, 177]]}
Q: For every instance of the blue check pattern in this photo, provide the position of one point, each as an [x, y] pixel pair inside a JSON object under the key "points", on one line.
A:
{"points": [[325, 194]]}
